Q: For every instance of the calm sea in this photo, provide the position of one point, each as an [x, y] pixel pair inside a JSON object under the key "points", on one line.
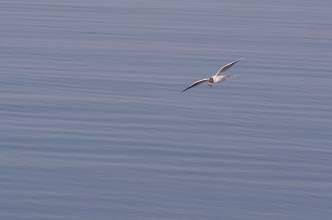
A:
{"points": [[93, 124]]}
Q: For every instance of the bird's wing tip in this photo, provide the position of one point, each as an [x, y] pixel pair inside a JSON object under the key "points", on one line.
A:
{"points": [[184, 90]]}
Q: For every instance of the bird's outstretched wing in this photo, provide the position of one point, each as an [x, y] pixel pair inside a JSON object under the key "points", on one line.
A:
{"points": [[195, 84], [223, 69]]}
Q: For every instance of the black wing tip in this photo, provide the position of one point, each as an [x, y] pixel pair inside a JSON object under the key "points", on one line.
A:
{"points": [[238, 60], [184, 90], [234, 62], [195, 84]]}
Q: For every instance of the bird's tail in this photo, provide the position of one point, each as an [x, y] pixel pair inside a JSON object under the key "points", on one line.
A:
{"points": [[233, 76]]}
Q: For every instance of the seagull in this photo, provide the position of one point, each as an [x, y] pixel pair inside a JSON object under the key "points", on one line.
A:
{"points": [[218, 77]]}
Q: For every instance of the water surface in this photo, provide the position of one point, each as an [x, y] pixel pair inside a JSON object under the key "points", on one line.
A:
{"points": [[94, 126]]}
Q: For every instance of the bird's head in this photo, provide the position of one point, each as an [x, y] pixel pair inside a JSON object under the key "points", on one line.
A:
{"points": [[210, 80]]}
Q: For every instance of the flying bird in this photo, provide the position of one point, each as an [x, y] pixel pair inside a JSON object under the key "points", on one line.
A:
{"points": [[218, 77]]}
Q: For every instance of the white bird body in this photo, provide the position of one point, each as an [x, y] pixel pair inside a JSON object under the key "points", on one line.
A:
{"points": [[218, 77]]}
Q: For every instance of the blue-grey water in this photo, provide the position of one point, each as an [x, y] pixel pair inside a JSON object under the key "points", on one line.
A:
{"points": [[93, 124]]}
